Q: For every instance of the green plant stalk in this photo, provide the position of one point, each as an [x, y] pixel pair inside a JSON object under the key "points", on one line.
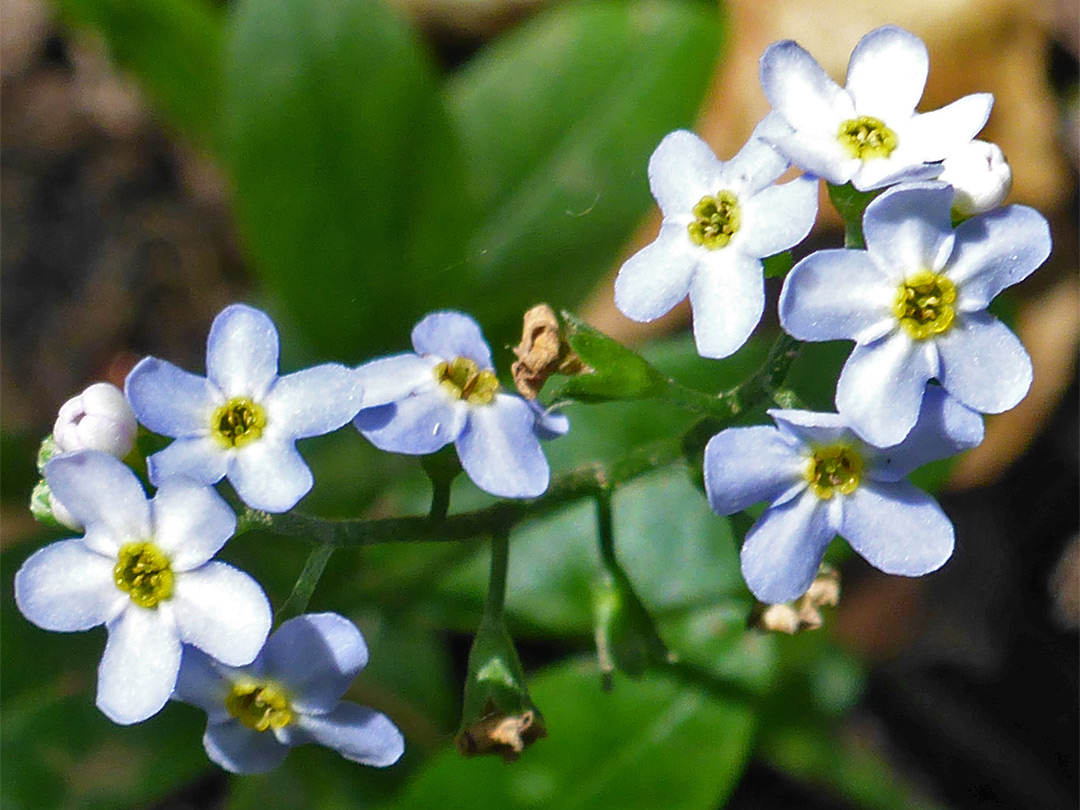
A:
{"points": [[314, 566]]}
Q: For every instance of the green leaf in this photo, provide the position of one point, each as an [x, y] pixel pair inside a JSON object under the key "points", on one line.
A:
{"points": [[616, 371], [173, 47], [349, 189], [648, 744]]}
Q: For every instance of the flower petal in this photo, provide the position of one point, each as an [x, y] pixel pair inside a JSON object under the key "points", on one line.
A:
{"points": [[313, 401], [746, 465], [983, 364], [783, 550], [138, 670], [67, 587], [837, 295], [448, 335], [316, 656], [811, 427], [940, 133], [908, 228], [802, 92], [657, 277], [191, 522], [819, 155], [881, 388], [778, 217], [392, 378], [171, 401], [104, 495], [887, 73], [239, 749], [222, 611], [727, 296], [682, 170], [900, 167], [996, 250], [270, 475], [897, 528], [202, 684], [356, 732], [242, 352], [754, 168], [550, 423], [500, 451], [199, 458], [419, 424]]}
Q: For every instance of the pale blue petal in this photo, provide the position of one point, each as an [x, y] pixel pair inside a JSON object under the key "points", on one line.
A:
{"points": [[104, 495], [242, 352], [783, 550], [983, 364], [940, 133], [316, 657], [270, 475], [778, 217], [897, 528], [727, 296], [900, 167], [422, 423], [356, 732], [191, 522], [202, 684], [811, 427], [881, 388], [996, 250], [239, 749], [200, 458], [887, 73], [682, 170], [500, 452], [138, 670], [944, 428], [754, 168], [392, 378], [313, 401], [170, 401], [802, 92], [908, 229], [819, 155], [448, 335], [550, 423], [746, 465], [222, 611], [66, 587], [837, 295], [657, 277]]}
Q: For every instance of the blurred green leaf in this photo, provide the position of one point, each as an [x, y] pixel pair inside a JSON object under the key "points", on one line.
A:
{"points": [[616, 371], [648, 744], [173, 47]]}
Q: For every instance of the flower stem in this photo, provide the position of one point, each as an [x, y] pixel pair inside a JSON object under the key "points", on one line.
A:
{"points": [[500, 564], [312, 572]]}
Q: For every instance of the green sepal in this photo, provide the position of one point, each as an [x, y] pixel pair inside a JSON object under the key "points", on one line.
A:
{"points": [[47, 450], [851, 204], [613, 372], [626, 637], [41, 505], [777, 266]]}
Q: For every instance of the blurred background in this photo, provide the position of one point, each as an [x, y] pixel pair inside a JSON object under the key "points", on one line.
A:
{"points": [[351, 164]]}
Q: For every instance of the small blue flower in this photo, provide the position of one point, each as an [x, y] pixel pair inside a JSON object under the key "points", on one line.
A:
{"points": [[868, 132], [242, 420], [144, 570], [915, 304], [821, 480], [447, 392], [289, 695], [720, 220]]}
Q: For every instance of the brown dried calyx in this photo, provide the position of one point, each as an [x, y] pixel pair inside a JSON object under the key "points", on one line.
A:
{"points": [[504, 734], [542, 352], [805, 612]]}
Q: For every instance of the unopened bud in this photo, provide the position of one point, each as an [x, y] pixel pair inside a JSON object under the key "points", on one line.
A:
{"points": [[805, 612], [99, 418], [981, 176]]}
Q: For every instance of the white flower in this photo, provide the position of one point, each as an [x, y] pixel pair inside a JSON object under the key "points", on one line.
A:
{"points": [[867, 132], [720, 220], [97, 419], [143, 569], [981, 176]]}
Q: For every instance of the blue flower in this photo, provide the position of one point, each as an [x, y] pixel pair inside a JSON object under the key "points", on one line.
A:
{"points": [[143, 569], [289, 695], [915, 304], [720, 220], [242, 420], [867, 132], [820, 480], [447, 392]]}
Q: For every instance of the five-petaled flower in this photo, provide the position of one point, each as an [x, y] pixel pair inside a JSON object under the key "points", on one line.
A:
{"points": [[720, 220], [867, 132], [289, 695], [242, 420], [143, 569], [821, 480], [915, 304], [448, 392]]}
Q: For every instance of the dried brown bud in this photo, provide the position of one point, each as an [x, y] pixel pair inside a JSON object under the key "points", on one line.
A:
{"points": [[502, 734], [542, 352], [805, 612]]}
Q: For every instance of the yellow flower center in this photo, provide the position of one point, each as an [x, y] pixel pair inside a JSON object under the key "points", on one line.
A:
{"points": [[145, 573], [238, 422], [866, 138], [716, 219], [259, 706], [833, 469], [924, 305], [463, 379]]}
